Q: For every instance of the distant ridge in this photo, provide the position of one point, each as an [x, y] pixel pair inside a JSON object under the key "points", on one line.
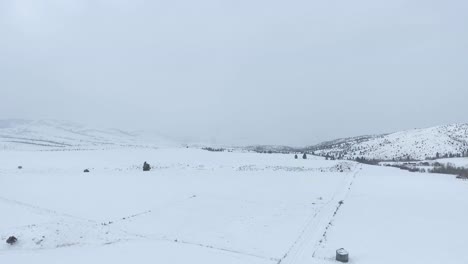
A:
{"points": [[19, 134], [414, 144], [417, 144]]}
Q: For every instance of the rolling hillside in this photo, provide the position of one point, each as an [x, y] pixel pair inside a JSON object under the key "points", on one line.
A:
{"points": [[61, 135], [415, 144], [447, 140]]}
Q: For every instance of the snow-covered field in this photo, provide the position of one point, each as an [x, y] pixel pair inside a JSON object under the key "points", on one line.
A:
{"points": [[196, 206]]}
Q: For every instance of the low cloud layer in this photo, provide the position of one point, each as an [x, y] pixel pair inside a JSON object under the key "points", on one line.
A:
{"points": [[243, 72]]}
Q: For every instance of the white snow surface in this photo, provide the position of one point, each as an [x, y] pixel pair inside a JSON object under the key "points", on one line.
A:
{"points": [[416, 143], [196, 206]]}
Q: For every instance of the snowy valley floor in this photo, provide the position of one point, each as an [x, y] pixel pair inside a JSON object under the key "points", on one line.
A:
{"points": [[206, 207]]}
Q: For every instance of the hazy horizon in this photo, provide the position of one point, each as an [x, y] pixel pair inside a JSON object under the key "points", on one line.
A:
{"points": [[12, 122], [237, 72]]}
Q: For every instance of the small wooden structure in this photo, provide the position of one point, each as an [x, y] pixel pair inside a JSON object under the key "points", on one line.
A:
{"points": [[342, 255]]}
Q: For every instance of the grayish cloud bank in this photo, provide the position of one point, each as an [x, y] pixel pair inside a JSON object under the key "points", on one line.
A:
{"points": [[236, 71]]}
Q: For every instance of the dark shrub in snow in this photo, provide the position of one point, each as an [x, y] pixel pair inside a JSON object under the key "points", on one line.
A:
{"points": [[12, 240], [86, 170], [304, 156], [146, 166]]}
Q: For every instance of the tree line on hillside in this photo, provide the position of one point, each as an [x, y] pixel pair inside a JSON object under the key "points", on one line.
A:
{"points": [[214, 149], [449, 168], [463, 154], [360, 156]]}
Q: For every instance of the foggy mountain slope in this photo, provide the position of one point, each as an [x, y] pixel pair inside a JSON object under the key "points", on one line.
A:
{"points": [[271, 148], [55, 135], [62, 135], [415, 144]]}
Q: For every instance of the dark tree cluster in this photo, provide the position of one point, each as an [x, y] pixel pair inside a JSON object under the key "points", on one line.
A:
{"points": [[367, 161], [462, 154], [270, 152], [449, 168], [407, 166], [214, 149]]}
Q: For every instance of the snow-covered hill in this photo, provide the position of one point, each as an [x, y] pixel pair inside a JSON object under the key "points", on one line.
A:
{"points": [[442, 141], [450, 140], [61, 135]]}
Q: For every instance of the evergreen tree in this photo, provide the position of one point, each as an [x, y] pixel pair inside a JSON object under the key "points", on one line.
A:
{"points": [[304, 156], [146, 167]]}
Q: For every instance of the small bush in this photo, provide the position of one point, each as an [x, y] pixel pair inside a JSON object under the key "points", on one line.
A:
{"points": [[146, 167], [12, 240]]}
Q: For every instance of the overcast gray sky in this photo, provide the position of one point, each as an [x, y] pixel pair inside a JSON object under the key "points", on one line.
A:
{"points": [[237, 71]]}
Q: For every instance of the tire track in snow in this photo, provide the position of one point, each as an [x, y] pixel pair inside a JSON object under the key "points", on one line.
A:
{"points": [[42, 210], [152, 210], [207, 246], [312, 236], [340, 203]]}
